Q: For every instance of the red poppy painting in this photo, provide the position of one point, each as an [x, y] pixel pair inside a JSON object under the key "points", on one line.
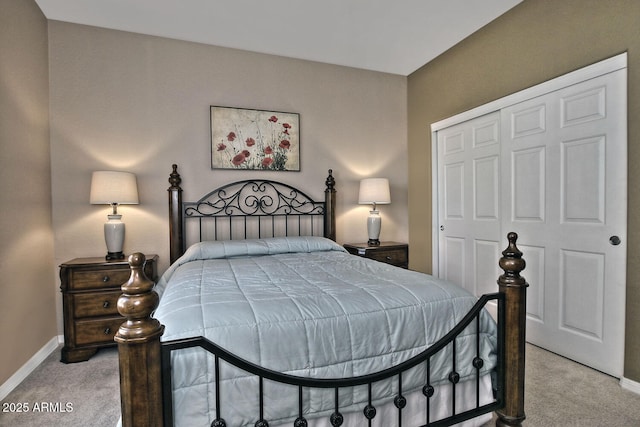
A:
{"points": [[254, 139]]}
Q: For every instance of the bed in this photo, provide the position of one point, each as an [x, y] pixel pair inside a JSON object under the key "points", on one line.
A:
{"points": [[263, 320]]}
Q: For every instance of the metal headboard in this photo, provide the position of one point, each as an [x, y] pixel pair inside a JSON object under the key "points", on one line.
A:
{"points": [[255, 208]]}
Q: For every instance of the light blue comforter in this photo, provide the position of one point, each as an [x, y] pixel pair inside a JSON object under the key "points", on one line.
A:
{"points": [[304, 306]]}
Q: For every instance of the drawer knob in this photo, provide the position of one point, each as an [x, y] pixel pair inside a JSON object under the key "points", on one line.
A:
{"points": [[105, 279], [107, 331], [106, 304]]}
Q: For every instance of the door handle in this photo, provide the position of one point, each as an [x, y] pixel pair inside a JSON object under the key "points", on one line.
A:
{"points": [[614, 240]]}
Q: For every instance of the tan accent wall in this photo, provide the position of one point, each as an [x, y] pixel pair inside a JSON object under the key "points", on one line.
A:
{"points": [[140, 103], [534, 42], [27, 287]]}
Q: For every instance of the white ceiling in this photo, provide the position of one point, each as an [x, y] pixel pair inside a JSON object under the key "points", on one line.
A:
{"points": [[393, 36]]}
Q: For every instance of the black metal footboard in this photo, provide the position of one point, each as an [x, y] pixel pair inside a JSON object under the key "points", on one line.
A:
{"points": [[369, 411]]}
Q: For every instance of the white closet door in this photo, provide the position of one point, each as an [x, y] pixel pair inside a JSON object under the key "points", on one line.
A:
{"points": [[568, 204], [566, 140], [469, 203]]}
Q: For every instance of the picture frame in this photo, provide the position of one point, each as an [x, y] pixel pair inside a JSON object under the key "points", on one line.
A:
{"points": [[250, 139]]}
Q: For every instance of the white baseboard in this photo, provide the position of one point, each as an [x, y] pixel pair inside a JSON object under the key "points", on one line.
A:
{"points": [[30, 366], [630, 385]]}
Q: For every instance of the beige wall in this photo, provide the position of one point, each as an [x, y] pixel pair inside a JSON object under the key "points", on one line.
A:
{"points": [[27, 289], [534, 42], [139, 103]]}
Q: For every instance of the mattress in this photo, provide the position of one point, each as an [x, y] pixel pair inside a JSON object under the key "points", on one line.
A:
{"points": [[306, 307]]}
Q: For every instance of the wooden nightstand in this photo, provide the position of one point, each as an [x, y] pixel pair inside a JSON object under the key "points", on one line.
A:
{"points": [[90, 291], [393, 253]]}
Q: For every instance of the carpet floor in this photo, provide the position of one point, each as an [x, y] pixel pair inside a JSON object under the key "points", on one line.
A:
{"points": [[558, 392], [77, 394]]}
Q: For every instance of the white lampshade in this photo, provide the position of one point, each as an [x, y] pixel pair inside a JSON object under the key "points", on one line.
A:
{"points": [[374, 191], [114, 188], [109, 187]]}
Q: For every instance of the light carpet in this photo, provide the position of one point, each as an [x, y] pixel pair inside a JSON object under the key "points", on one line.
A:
{"points": [[77, 394], [558, 392]]}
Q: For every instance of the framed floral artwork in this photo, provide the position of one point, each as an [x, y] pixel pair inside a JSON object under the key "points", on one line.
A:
{"points": [[254, 139]]}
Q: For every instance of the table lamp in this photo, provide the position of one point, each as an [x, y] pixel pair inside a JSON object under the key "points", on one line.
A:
{"points": [[376, 192], [114, 188]]}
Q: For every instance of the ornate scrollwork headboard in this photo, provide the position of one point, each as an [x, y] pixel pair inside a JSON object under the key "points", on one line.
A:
{"points": [[253, 208]]}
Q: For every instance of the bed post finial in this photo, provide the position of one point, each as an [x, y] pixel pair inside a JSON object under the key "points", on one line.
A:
{"points": [[330, 207], [174, 177], [514, 287], [139, 349], [176, 233], [330, 181]]}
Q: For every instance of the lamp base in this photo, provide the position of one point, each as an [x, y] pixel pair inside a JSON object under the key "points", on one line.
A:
{"points": [[374, 223], [114, 237], [114, 256]]}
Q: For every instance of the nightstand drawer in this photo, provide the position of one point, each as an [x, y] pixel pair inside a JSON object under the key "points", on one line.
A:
{"points": [[97, 331], [96, 304], [395, 257], [99, 278]]}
